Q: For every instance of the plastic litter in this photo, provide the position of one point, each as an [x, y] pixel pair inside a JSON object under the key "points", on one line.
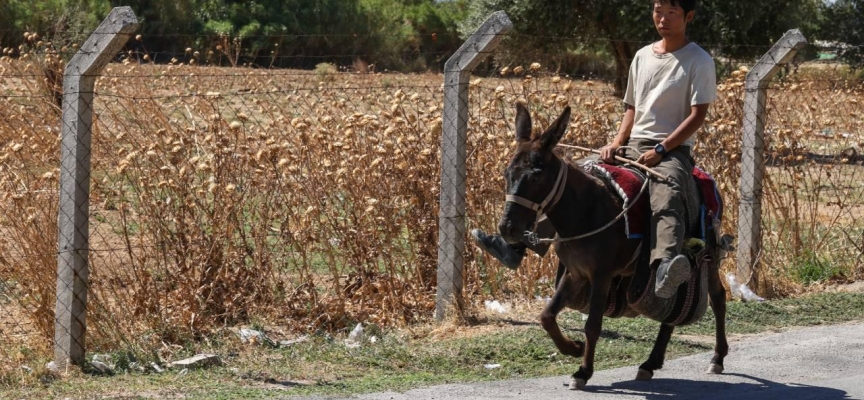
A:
{"points": [[495, 306], [492, 366], [156, 367], [101, 366], [355, 337], [52, 366], [287, 343], [740, 290], [255, 337]]}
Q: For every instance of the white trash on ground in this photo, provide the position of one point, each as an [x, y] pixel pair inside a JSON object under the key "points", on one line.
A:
{"points": [[101, 366], [740, 290], [492, 366], [355, 337], [495, 306], [198, 361], [287, 343], [156, 367], [255, 337], [52, 366]]}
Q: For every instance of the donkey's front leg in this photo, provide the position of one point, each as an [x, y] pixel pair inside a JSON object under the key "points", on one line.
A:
{"points": [[599, 296], [548, 319]]}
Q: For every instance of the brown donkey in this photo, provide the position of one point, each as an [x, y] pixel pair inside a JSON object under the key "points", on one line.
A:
{"points": [[577, 203]]}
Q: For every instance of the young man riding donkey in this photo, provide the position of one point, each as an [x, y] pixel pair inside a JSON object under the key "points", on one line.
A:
{"points": [[670, 86]]}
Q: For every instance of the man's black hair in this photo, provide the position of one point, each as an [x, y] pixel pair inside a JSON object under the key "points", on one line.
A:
{"points": [[686, 5]]}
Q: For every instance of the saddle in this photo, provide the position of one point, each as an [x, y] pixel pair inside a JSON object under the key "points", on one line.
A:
{"points": [[704, 206], [634, 295]]}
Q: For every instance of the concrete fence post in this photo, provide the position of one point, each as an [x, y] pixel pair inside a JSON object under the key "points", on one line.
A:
{"points": [[451, 217], [753, 153], [70, 324]]}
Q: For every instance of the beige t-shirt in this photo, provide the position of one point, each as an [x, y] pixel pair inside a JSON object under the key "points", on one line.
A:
{"points": [[663, 87]]}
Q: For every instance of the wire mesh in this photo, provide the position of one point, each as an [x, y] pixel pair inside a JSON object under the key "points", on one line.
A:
{"points": [[310, 198], [304, 197], [29, 161], [812, 204]]}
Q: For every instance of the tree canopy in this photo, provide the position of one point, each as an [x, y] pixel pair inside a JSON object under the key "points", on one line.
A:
{"points": [[734, 28], [843, 22], [420, 34]]}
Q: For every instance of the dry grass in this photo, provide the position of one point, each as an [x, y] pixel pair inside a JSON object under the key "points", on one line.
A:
{"points": [[241, 196]]}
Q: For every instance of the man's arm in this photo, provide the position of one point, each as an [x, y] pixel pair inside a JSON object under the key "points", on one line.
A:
{"points": [[607, 153], [684, 131]]}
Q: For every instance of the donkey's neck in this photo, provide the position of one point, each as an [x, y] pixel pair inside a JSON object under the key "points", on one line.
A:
{"points": [[585, 205]]}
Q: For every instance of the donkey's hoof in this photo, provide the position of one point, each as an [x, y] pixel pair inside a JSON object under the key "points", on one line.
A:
{"points": [[577, 383], [715, 369], [644, 375]]}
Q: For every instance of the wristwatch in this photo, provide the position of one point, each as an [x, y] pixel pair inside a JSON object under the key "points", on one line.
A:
{"points": [[660, 149]]}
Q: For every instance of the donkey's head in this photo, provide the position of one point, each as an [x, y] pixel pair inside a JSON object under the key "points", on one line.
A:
{"points": [[535, 177]]}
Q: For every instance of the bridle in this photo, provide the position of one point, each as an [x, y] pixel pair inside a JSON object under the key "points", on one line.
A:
{"points": [[552, 199]]}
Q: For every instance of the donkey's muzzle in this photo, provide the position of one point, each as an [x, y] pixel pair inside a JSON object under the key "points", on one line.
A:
{"points": [[509, 231]]}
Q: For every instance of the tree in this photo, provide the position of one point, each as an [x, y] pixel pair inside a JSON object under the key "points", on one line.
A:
{"points": [[160, 17], [64, 21], [739, 27], [843, 22], [414, 34]]}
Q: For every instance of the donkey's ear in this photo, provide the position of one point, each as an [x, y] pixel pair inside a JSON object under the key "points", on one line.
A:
{"points": [[523, 123], [555, 131]]}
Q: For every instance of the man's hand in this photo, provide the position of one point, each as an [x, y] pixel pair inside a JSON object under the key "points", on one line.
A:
{"points": [[649, 158], [608, 152]]}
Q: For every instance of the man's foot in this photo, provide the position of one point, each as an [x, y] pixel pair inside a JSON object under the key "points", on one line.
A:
{"points": [[670, 274], [509, 255]]}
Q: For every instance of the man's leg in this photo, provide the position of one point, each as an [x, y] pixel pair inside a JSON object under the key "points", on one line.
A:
{"points": [[668, 218], [511, 254]]}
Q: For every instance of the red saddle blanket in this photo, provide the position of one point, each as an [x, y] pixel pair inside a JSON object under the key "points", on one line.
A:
{"points": [[628, 183]]}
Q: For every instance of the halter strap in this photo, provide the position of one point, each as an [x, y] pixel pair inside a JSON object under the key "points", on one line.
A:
{"points": [[551, 199]]}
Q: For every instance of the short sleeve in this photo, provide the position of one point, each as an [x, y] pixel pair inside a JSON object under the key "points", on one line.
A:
{"points": [[629, 94], [704, 83]]}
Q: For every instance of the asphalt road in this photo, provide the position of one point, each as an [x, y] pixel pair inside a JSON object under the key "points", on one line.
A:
{"points": [[819, 363]]}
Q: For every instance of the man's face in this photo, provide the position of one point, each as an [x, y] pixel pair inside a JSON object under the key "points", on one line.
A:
{"points": [[670, 21]]}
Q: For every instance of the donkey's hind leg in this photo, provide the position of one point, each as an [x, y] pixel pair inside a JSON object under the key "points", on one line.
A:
{"points": [[717, 294], [548, 318], [658, 354]]}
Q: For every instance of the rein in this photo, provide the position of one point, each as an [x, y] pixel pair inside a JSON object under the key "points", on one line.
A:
{"points": [[552, 199]]}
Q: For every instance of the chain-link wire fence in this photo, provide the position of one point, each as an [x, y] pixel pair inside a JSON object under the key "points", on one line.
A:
{"points": [[309, 199], [29, 161], [306, 198], [813, 218]]}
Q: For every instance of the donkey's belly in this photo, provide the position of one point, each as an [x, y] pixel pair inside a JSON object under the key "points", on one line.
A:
{"points": [[616, 304], [634, 295]]}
